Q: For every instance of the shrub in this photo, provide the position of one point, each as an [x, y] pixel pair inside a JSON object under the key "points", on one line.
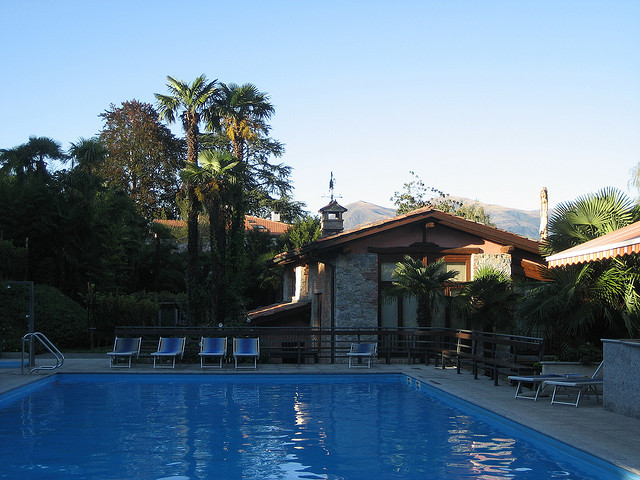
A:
{"points": [[584, 353], [62, 320], [136, 309]]}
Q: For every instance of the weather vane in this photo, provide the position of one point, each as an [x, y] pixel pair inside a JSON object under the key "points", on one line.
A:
{"points": [[332, 184]]}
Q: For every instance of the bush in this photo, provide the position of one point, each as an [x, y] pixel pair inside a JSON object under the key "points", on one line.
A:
{"points": [[136, 309], [62, 320], [584, 353]]}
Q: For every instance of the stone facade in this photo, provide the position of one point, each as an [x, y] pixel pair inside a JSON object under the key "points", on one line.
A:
{"points": [[622, 377], [498, 261], [357, 282]]}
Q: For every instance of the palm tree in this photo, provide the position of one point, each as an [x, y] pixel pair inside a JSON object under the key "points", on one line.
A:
{"points": [[426, 283], [588, 217], [592, 300], [192, 103], [31, 157], [212, 180], [582, 302], [89, 154], [241, 112], [490, 299]]}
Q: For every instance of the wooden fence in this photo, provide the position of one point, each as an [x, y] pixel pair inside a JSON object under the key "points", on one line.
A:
{"points": [[314, 345]]}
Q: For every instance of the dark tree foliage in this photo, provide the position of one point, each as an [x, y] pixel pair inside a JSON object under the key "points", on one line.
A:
{"points": [[144, 158], [416, 194], [68, 230], [303, 231], [267, 184], [31, 157]]}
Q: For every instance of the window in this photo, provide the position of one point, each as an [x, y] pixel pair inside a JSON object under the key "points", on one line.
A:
{"points": [[460, 268], [460, 264], [404, 313], [394, 314]]}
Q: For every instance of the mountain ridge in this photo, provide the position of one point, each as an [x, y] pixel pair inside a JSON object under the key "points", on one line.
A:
{"points": [[520, 222]]}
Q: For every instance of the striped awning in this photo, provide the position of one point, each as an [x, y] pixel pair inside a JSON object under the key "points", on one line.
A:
{"points": [[615, 244]]}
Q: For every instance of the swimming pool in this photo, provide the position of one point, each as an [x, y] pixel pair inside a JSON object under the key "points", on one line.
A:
{"points": [[150, 426]]}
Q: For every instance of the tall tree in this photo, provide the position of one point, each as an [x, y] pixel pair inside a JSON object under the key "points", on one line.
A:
{"points": [[31, 157], [192, 103], [143, 158], [267, 185], [303, 231], [213, 179], [88, 155], [416, 194], [241, 112]]}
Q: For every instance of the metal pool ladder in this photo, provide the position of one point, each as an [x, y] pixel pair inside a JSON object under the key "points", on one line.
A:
{"points": [[42, 338]]}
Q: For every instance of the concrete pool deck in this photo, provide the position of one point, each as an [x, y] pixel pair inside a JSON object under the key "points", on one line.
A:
{"points": [[606, 435]]}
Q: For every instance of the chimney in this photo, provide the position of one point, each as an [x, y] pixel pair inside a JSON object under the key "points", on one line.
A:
{"points": [[544, 214], [275, 217], [331, 220]]}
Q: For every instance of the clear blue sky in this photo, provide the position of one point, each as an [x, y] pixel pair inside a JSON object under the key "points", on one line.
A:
{"points": [[491, 100]]}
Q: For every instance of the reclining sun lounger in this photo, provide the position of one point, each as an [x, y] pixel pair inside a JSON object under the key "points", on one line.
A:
{"points": [[584, 386], [124, 349], [169, 347], [539, 381], [246, 348], [362, 350], [212, 348], [542, 381]]}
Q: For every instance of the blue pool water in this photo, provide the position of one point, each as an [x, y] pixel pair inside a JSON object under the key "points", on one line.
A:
{"points": [[266, 427]]}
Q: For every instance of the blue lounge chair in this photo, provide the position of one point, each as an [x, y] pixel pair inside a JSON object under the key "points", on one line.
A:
{"points": [[169, 348], [246, 348], [124, 349], [583, 386], [212, 348], [362, 350]]}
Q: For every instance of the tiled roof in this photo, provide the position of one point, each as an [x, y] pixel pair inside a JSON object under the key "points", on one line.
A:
{"points": [[276, 228], [250, 222], [494, 234], [277, 309]]}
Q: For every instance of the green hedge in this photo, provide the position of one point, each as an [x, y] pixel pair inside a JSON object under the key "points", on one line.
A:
{"points": [[62, 320], [136, 309]]}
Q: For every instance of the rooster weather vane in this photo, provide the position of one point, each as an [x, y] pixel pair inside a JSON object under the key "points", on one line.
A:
{"points": [[332, 185]]}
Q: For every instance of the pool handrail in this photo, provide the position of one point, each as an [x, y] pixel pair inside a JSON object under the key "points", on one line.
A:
{"points": [[42, 338]]}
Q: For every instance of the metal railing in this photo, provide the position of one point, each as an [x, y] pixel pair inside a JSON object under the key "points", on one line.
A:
{"points": [[315, 345], [42, 338]]}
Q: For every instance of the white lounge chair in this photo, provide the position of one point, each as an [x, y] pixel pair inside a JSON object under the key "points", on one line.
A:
{"points": [[211, 347], [124, 349], [583, 386], [362, 350], [169, 347], [539, 381], [246, 348]]}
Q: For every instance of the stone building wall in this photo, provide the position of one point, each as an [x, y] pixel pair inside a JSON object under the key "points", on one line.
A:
{"points": [[499, 261], [320, 293], [302, 283], [357, 291], [288, 284]]}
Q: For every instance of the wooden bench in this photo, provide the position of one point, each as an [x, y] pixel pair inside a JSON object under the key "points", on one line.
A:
{"points": [[456, 346], [492, 353], [497, 354]]}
